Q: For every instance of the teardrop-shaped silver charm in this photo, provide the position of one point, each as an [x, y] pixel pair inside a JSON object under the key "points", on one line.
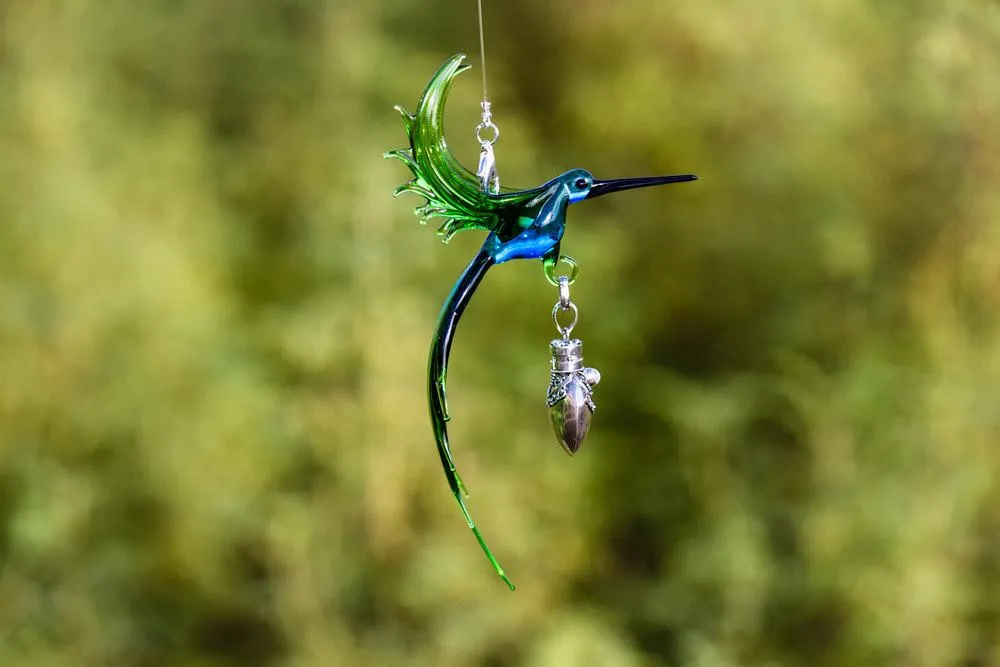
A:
{"points": [[570, 396]]}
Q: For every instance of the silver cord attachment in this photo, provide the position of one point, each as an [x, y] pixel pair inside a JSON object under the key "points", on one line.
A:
{"points": [[487, 171], [487, 125], [487, 133]]}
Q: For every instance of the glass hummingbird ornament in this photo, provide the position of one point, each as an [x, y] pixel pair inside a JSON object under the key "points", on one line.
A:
{"points": [[519, 224]]}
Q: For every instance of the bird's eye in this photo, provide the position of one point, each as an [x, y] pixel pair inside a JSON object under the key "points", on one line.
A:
{"points": [[580, 183]]}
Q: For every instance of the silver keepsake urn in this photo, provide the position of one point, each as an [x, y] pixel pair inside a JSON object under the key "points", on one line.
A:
{"points": [[570, 397]]}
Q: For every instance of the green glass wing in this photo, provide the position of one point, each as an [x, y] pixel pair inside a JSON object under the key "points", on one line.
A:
{"points": [[452, 191]]}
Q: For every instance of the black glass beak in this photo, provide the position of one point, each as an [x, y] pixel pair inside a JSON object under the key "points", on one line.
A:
{"points": [[615, 185]]}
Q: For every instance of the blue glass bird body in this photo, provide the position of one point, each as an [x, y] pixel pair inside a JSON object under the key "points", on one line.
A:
{"points": [[521, 224]]}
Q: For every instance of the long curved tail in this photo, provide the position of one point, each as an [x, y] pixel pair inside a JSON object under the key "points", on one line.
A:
{"points": [[437, 398]]}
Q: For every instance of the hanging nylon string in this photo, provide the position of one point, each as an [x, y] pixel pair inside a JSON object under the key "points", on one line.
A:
{"points": [[482, 47], [487, 133]]}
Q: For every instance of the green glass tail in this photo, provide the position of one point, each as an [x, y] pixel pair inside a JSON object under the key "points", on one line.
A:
{"points": [[452, 311]]}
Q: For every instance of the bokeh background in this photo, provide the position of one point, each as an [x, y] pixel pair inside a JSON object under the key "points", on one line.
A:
{"points": [[214, 321]]}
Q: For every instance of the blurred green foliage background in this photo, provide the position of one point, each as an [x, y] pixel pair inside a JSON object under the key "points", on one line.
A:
{"points": [[214, 321]]}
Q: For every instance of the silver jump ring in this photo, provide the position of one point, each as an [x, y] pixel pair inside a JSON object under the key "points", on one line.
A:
{"points": [[490, 127], [558, 308], [564, 292]]}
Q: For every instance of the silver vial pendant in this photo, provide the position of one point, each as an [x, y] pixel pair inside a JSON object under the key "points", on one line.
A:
{"points": [[570, 396]]}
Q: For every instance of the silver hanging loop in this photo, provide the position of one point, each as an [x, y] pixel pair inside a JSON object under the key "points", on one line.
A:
{"points": [[486, 125], [487, 134]]}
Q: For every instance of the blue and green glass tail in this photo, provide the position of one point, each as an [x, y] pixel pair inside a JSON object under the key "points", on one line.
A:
{"points": [[437, 397]]}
